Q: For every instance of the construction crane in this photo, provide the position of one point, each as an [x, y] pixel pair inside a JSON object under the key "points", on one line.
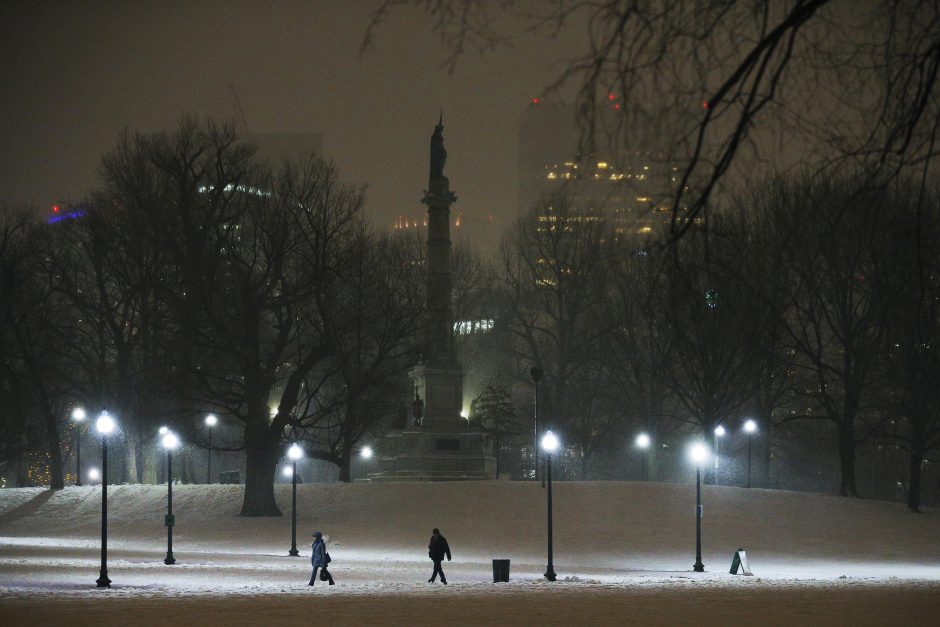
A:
{"points": [[237, 105]]}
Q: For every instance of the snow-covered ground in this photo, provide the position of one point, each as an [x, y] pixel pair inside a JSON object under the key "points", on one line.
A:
{"points": [[623, 554]]}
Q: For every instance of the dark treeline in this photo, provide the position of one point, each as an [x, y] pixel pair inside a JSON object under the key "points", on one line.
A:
{"points": [[811, 305], [202, 280]]}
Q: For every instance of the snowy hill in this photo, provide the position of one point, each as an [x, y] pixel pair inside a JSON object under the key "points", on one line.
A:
{"points": [[600, 527]]}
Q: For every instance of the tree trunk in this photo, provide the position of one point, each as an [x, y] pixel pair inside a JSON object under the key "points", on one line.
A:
{"points": [[56, 477], [847, 458], [497, 456], [915, 465], [345, 463], [260, 466]]}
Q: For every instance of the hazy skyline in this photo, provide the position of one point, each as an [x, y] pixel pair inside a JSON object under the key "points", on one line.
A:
{"points": [[76, 73]]}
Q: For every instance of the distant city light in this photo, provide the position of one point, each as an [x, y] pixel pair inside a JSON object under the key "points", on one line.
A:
{"points": [[720, 431], [288, 471], [750, 426], [163, 430], [78, 414]]}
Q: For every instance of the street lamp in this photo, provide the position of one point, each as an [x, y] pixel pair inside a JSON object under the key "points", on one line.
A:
{"points": [[366, 452], [549, 445], [170, 442], [698, 452], [78, 415], [719, 433], [211, 421], [293, 453], [750, 428], [536, 374], [93, 474], [105, 426], [643, 442]]}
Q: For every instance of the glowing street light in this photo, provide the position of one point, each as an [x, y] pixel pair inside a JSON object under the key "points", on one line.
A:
{"points": [[78, 415], [163, 430], [170, 443], [643, 442], [105, 426], [698, 453], [549, 445], [750, 428], [94, 474], [211, 421], [293, 454], [719, 433], [366, 452]]}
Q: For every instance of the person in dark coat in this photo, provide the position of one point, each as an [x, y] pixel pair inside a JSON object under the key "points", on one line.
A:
{"points": [[437, 549], [318, 558]]}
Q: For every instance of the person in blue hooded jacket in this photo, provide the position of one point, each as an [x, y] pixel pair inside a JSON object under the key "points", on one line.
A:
{"points": [[318, 558]]}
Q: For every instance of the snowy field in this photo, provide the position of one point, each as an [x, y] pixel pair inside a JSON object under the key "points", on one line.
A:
{"points": [[623, 554]]}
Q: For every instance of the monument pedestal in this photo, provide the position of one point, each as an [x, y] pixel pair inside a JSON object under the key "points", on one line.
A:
{"points": [[442, 448], [419, 454]]}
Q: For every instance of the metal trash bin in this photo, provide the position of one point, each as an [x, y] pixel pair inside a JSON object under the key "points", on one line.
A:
{"points": [[500, 570]]}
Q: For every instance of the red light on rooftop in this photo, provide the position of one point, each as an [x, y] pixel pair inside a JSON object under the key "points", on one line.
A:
{"points": [[610, 96], [55, 208], [617, 106], [705, 104], [535, 100]]}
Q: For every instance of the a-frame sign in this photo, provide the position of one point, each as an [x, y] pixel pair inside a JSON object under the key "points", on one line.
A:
{"points": [[739, 562]]}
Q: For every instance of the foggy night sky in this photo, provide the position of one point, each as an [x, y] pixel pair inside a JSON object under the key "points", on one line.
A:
{"points": [[75, 73]]}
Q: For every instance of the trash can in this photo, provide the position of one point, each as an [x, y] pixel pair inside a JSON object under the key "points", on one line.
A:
{"points": [[500, 570]]}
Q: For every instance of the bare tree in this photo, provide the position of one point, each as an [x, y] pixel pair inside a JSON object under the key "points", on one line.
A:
{"points": [[32, 339], [555, 265]]}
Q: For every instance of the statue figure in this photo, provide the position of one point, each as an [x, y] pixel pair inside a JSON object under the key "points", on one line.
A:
{"points": [[438, 153], [417, 410]]}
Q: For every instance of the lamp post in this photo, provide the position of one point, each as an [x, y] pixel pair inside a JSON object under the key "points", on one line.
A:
{"points": [[211, 421], [78, 415], [366, 454], [105, 426], [536, 374], [549, 445], [699, 454], [170, 442], [719, 433], [643, 442], [293, 453], [750, 428]]}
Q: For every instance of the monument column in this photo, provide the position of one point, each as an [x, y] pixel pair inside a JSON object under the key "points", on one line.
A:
{"points": [[438, 446]]}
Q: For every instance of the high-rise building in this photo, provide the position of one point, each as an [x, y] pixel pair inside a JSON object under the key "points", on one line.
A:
{"points": [[633, 188]]}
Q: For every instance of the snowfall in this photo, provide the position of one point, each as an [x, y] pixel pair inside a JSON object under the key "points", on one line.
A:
{"points": [[623, 552]]}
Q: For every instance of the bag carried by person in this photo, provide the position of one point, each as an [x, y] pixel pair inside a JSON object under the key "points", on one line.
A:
{"points": [[324, 575]]}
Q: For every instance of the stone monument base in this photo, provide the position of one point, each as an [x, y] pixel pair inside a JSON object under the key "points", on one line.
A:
{"points": [[419, 454]]}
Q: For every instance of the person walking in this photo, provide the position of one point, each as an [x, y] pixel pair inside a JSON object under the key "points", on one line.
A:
{"points": [[319, 558], [437, 549]]}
